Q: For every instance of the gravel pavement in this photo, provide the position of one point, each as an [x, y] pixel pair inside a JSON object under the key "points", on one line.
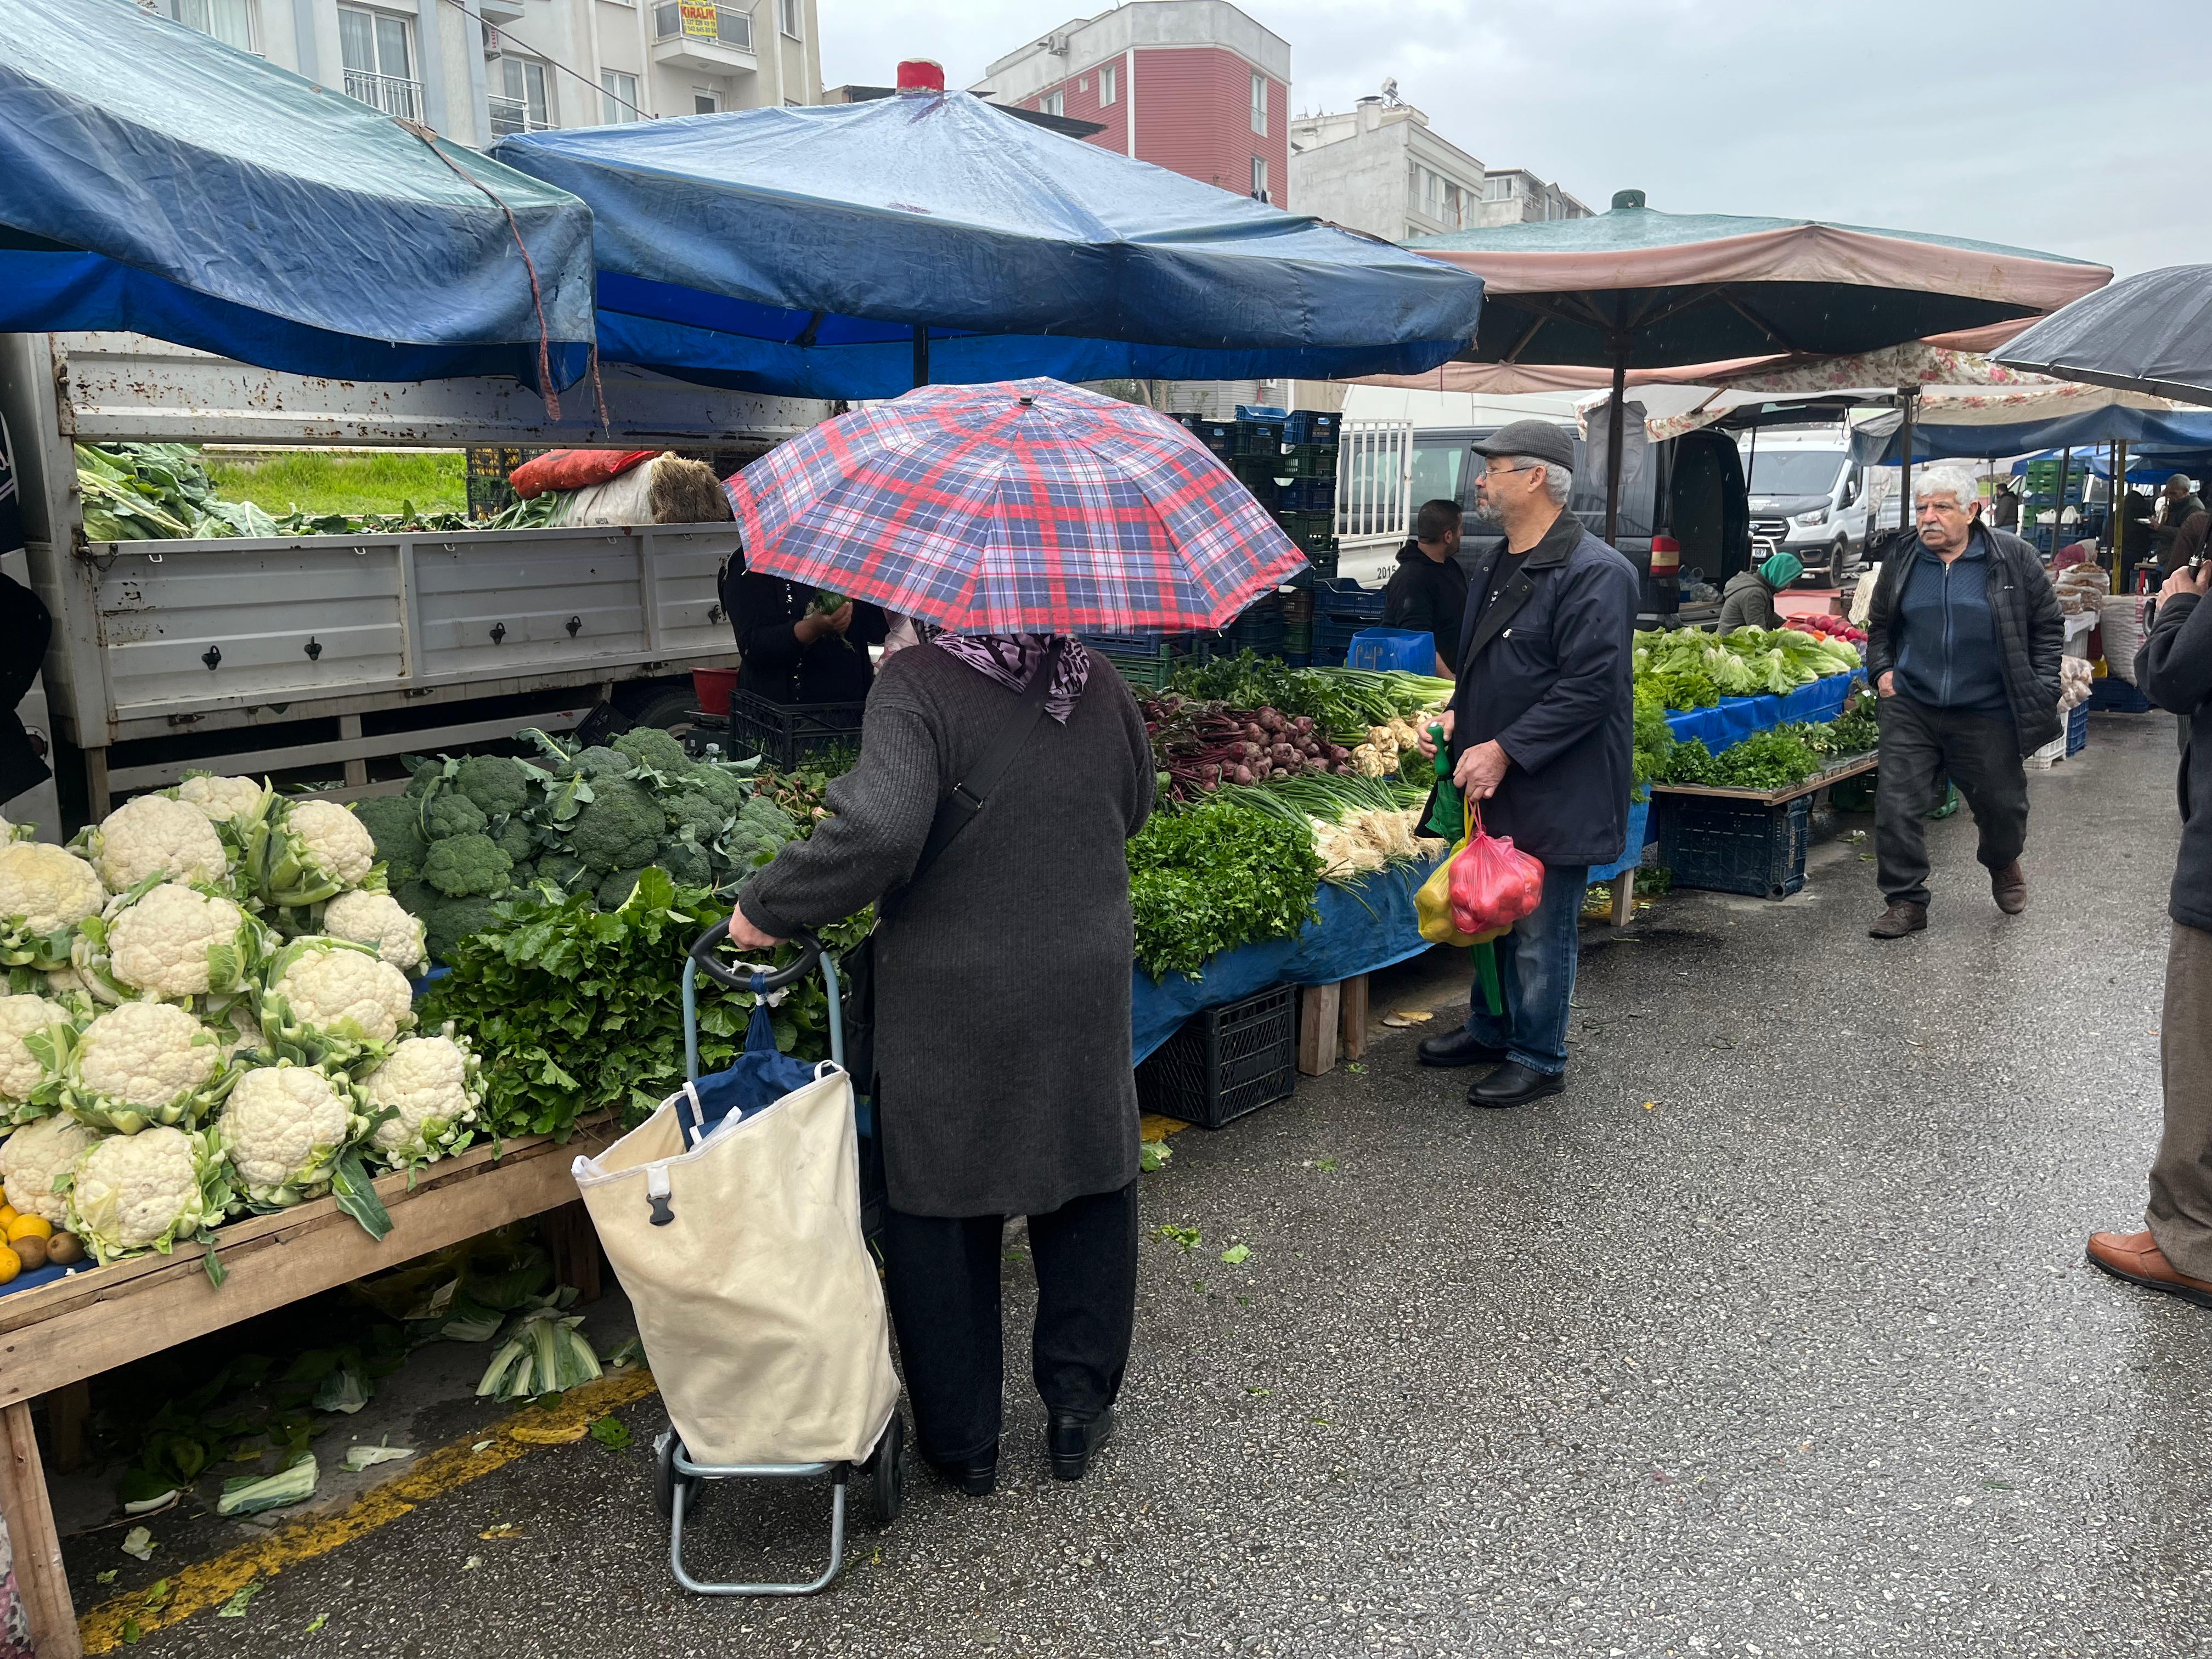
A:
{"points": [[1773, 1334]]}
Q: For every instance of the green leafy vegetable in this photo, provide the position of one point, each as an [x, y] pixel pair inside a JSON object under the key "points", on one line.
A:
{"points": [[1209, 879]]}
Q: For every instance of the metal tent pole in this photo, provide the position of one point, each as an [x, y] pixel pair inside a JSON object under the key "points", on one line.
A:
{"points": [[921, 354], [1908, 395], [2059, 507], [1613, 423]]}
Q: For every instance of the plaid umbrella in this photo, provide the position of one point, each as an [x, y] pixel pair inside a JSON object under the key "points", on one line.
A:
{"points": [[1022, 506]]}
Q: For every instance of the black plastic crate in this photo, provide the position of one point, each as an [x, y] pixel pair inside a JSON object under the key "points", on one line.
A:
{"points": [[1219, 436], [1319, 427], [1345, 597], [1260, 629], [1260, 435], [1307, 461], [1321, 566], [1225, 1061], [1332, 640], [1735, 847], [787, 735], [1307, 495], [2114, 696], [1314, 532], [1256, 474]]}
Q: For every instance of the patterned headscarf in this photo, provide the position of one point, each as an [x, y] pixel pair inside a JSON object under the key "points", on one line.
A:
{"points": [[1012, 658]]}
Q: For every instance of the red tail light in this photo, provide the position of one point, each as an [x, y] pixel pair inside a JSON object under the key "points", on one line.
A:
{"points": [[1666, 555]]}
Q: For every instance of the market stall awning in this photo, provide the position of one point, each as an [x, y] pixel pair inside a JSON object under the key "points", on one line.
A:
{"points": [[797, 251], [2150, 333], [1981, 434], [154, 179]]}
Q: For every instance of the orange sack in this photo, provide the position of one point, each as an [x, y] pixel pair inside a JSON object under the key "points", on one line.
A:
{"points": [[573, 469]]}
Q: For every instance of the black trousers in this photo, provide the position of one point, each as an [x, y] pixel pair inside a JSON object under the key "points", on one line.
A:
{"points": [[941, 1277], [1922, 745]]}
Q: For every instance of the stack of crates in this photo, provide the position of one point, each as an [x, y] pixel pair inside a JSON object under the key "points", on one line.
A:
{"points": [[1305, 503], [1147, 661], [1259, 629], [1296, 606], [1341, 608]]}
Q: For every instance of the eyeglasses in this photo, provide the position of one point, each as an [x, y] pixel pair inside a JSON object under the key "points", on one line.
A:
{"points": [[1508, 471]]}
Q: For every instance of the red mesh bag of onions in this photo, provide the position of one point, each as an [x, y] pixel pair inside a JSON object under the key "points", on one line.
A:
{"points": [[1493, 884]]}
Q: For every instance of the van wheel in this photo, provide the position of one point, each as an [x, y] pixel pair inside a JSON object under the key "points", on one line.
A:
{"points": [[1840, 561], [670, 711]]}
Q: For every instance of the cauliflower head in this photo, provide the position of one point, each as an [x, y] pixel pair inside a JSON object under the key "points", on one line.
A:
{"points": [[44, 893], [308, 851], [153, 836], [16, 831], [377, 919], [34, 1158], [283, 1127], [330, 1001], [433, 1085], [224, 800], [144, 1192], [142, 1064], [170, 943], [21, 1071]]}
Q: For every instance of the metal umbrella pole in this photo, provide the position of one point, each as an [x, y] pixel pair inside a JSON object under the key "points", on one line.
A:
{"points": [[1612, 424]]}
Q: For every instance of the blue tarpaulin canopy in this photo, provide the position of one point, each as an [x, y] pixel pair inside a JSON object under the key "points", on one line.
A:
{"points": [[153, 178], [2158, 428], [796, 251]]}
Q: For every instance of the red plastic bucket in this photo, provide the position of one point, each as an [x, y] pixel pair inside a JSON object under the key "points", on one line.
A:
{"points": [[713, 686]]}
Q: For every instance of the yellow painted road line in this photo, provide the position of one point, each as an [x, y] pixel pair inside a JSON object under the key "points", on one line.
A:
{"points": [[211, 1583]]}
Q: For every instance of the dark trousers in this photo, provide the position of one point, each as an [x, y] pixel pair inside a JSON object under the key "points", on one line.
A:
{"points": [[941, 1277], [1922, 745], [1536, 977]]}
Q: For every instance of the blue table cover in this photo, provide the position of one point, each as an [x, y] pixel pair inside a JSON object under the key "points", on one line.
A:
{"points": [[1632, 847], [1737, 718]]}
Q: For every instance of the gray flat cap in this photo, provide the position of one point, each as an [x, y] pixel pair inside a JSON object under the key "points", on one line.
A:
{"points": [[1538, 439]]}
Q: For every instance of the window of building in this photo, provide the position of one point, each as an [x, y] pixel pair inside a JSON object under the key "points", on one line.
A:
{"points": [[1259, 178], [378, 51], [522, 100], [790, 15], [1499, 187], [230, 22], [1055, 103], [1260, 105], [618, 97], [705, 103], [1110, 85]]}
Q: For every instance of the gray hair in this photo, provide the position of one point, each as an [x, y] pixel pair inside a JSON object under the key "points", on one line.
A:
{"points": [[1559, 481], [1959, 481]]}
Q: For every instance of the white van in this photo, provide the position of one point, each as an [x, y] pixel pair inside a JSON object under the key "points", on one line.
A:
{"points": [[1808, 497]]}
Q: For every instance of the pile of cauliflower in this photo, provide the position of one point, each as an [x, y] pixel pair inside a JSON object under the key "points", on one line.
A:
{"points": [[1389, 746], [205, 1012]]}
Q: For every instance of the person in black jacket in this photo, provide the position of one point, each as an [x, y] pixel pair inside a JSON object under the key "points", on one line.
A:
{"points": [[1539, 734], [1963, 642], [1428, 590], [791, 651], [2173, 1254]]}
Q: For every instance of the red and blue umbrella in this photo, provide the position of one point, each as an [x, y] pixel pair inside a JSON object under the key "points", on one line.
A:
{"points": [[1022, 506]]}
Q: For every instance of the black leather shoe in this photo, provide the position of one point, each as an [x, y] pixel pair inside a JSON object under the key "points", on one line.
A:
{"points": [[1458, 1048], [977, 1476], [1071, 1440], [1515, 1085]]}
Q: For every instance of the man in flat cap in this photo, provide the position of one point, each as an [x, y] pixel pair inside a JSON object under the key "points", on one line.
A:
{"points": [[1539, 735]]}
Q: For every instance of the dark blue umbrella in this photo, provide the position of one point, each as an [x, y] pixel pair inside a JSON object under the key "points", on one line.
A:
{"points": [[153, 178], [833, 251], [2150, 333]]}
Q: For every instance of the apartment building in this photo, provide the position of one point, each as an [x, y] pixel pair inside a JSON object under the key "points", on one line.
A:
{"points": [[476, 70], [1379, 168], [1512, 196], [1195, 86]]}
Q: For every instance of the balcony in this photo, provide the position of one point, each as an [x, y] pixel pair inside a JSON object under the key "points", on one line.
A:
{"points": [[694, 34], [393, 94], [511, 115]]}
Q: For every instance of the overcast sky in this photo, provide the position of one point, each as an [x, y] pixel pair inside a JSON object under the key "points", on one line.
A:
{"points": [[2079, 130]]}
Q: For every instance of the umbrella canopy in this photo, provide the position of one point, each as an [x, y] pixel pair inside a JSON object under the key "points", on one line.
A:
{"points": [[2150, 333], [1028, 506], [153, 178], [797, 251]]}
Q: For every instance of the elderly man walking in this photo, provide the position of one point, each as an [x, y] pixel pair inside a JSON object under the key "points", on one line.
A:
{"points": [[1963, 644], [1539, 730]]}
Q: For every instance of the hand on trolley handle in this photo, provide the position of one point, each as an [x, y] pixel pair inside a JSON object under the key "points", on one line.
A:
{"points": [[746, 937]]}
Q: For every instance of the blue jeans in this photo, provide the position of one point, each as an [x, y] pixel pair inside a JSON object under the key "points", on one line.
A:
{"points": [[1536, 977]]}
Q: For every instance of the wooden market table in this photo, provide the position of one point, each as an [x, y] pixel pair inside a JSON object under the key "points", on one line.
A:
{"points": [[55, 1337], [1851, 765]]}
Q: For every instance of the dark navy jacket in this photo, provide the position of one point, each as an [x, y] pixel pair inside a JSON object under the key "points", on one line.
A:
{"points": [[1547, 671]]}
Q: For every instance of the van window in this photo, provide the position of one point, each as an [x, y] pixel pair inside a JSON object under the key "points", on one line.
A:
{"points": [[1437, 471], [1640, 467], [1795, 471]]}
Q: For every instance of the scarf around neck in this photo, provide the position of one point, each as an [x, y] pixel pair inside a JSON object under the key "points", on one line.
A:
{"points": [[1011, 659]]}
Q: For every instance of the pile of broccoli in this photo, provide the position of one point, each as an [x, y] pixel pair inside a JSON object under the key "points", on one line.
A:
{"points": [[469, 831]]}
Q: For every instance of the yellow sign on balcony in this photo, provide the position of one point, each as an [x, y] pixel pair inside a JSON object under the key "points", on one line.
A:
{"points": [[701, 19]]}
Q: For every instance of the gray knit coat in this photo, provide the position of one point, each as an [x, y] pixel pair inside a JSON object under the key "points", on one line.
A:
{"points": [[1002, 1002]]}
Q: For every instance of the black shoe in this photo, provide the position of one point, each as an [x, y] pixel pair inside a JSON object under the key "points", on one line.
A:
{"points": [[1515, 1084], [977, 1476], [1071, 1440], [1458, 1048]]}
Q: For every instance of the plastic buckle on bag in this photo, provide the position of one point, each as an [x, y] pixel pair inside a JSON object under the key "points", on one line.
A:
{"points": [[657, 1194]]}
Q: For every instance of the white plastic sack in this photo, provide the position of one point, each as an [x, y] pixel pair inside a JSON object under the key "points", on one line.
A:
{"points": [[756, 1299], [2120, 619]]}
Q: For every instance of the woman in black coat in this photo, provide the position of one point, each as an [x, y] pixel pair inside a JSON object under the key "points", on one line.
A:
{"points": [[791, 652]]}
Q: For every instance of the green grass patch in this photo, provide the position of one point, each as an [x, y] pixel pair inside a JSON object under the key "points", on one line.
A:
{"points": [[349, 481]]}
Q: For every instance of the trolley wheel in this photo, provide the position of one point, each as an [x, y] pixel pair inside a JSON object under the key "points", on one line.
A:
{"points": [[665, 1478], [887, 1465]]}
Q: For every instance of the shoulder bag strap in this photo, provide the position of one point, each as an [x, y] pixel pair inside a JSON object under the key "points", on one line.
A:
{"points": [[957, 809]]}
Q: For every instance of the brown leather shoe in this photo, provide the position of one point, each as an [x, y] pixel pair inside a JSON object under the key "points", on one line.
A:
{"points": [[2137, 1259], [1898, 921], [2008, 887]]}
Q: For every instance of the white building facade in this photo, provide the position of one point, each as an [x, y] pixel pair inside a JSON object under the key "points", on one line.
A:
{"points": [[1513, 196], [1379, 168], [508, 66]]}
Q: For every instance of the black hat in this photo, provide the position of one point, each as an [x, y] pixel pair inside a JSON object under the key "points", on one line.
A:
{"points": [[1540, 440]]}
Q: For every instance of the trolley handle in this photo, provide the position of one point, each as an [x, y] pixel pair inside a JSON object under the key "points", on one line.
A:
{"points": [[758, 981]]}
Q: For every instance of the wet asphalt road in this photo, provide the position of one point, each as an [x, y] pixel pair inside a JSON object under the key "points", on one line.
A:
{"points": [[1773, 1336]]}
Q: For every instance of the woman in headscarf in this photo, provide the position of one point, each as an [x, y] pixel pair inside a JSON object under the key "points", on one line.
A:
{"points": [[1748, 599], [1003, 1081]]}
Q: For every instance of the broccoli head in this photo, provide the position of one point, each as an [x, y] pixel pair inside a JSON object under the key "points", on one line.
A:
{"points": [[450, 814], [467, 867], [649, 746], [393, 825], [719, 784], [763, 815], [523, 874], [564, 870], [514, 838], [616, 888], [449, 921], [619, 828], [424, 776], [597, 763], [686, 864], [703, 819], [762, 827], [497, 784]]}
